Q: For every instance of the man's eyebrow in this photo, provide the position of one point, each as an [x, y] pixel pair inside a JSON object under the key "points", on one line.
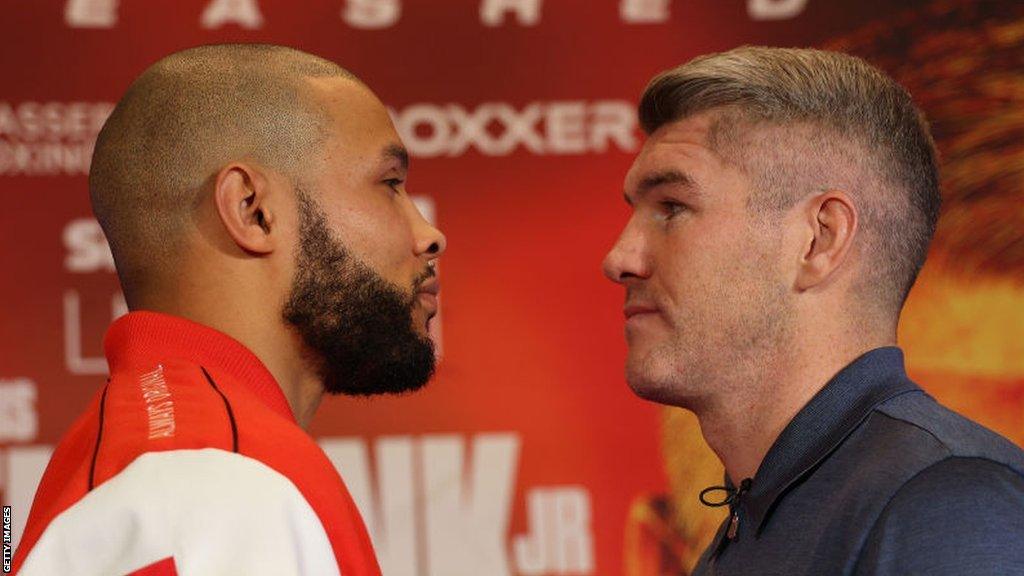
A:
{"points": [[656, 179], [397, 152]]}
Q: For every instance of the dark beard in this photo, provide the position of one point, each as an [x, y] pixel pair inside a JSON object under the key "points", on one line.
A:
{"points": [[356, 323]]}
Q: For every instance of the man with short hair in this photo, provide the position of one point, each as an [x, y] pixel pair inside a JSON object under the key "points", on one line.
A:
{"points": [[254, 201], [782, 207]]}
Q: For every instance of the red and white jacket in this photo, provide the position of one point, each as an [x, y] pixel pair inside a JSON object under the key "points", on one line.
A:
{"points": [[190, 462]]}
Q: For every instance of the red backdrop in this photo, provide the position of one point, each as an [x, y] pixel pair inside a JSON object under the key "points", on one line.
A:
{"points": [[527, 454]]}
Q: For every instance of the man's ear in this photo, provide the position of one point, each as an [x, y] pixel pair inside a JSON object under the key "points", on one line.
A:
{"points": [[831, 219], [242, 196]]}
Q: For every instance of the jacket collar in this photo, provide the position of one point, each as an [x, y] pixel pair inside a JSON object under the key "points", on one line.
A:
{"points": [[142, 336], [822, 425]]}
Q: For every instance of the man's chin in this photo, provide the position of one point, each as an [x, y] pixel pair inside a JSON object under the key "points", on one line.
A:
{"points": [[651, 386], [646, 389], [421, 320], [422, 329], [375, 389], [405, 372]]}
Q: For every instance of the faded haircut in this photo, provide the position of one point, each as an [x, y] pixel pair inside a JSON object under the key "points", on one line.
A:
{"points": [[800, 121], [179, 123]]}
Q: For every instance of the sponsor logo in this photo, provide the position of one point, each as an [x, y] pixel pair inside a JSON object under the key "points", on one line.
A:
{"points": [[49, 138], [19, 421], [500, 129]]}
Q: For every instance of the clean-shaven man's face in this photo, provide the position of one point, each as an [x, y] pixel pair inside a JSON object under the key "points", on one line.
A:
{"points": [[704, 291]]}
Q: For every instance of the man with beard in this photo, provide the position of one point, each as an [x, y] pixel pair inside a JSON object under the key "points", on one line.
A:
{"points": [[783, 205], [254, 203]]}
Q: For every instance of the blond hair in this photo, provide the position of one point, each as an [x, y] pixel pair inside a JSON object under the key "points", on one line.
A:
{"points": [[802, 120]]}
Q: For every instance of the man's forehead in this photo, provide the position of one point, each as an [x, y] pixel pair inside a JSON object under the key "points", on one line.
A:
{"points": [[359, 121], [690, 129], [680, 147], [350, 104], [334, 88]]}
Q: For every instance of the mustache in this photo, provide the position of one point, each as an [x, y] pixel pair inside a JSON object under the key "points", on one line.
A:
{"points": [[427, 274]]}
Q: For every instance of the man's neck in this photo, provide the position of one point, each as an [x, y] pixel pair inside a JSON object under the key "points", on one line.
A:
{"points": [[280, 351], [742, 428], [278, 348]]}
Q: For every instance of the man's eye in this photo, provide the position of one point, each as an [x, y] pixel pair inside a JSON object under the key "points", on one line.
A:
{"points": [[394, 183], [671, 208]]}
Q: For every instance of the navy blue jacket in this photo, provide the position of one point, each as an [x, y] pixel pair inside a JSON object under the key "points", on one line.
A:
{"points": [[873, 476]]}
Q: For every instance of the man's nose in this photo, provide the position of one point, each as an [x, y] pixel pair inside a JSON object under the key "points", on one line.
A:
{"points": [[627, 257], [430, 241]]}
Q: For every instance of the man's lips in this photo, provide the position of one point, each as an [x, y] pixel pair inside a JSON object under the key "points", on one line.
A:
{"points": [[633, 310], [427, 295], [432, 287]]}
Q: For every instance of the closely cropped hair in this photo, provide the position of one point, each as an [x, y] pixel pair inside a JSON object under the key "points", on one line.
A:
{"points": [[800, 121], [181, 121]]}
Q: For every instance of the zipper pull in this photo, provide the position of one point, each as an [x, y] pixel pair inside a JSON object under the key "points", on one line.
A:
{"points": [[734, 506], [734, 525], [732, 500]]}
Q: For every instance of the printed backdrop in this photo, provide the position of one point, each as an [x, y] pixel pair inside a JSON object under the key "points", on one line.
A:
{"points": [[527, 454]]}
